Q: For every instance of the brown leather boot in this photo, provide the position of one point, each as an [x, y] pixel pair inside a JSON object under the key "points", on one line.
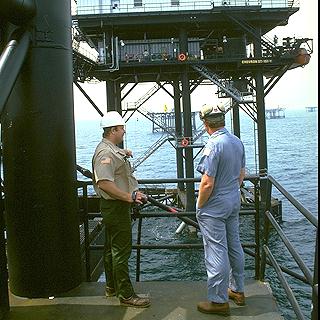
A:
{"points": [[135, 301], [237, 297], [213, 307]]}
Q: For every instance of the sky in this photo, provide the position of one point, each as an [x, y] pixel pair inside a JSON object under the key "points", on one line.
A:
{"points": [[297, 89]]}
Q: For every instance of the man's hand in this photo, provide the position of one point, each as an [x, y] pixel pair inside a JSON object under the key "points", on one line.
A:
{"points": [[205, 190], [128, 152], [139, 197]]}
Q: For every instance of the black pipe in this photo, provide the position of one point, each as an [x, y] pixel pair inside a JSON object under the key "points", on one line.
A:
{"points": [[84, 171], [11, 61], [170, 209]]}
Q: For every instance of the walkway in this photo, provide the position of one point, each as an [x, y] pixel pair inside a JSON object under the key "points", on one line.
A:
{"points": [[170, 301]]}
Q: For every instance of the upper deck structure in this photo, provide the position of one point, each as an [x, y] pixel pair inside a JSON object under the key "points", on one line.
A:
{"points": [[222, 35]]}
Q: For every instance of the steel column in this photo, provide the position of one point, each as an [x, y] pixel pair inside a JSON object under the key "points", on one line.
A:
{"points": [[187, 124], [187, 129], [236, 118], [43, 244], [178, 128], [117, 96], [110, 96], [261, 124], [261, 121], [261, 117], [113, 96], [183, 41]]}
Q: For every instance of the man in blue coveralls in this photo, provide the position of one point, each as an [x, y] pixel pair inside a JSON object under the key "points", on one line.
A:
{"points": [[223, 168]]}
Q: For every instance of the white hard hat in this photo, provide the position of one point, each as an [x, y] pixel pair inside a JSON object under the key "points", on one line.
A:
{"points": [[112, 119], [207, 111]]}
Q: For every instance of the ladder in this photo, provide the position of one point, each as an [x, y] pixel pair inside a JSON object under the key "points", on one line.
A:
{"points": [[226, 86], [149, 152]]}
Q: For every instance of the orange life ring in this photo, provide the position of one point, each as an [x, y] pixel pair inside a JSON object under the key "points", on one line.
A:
{"points": [[182, 57], [303, 57], [184, 142]]}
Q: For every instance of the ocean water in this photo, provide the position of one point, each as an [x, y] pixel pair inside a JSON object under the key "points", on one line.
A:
{"points": [[292, 161]]}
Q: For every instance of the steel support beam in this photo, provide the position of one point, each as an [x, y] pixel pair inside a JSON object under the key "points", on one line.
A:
{"points": [[88, 98], [38, 136], [236, 118], [117, 94], [110, 96], [261, 119], [178, 124], [187, 123], [187, 129]]}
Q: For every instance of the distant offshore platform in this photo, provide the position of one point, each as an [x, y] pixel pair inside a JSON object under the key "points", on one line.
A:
{"points": [[276, 113], [311, 109]]}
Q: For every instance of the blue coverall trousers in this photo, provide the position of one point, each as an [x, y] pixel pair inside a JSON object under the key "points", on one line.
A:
{"points": [[222, 249]]}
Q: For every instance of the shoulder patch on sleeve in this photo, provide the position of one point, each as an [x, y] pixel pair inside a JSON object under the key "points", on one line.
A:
{"points": [[105, 160]]}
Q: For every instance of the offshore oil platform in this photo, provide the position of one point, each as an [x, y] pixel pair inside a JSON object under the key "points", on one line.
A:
{"points": [[275, 113], [50, 237]]}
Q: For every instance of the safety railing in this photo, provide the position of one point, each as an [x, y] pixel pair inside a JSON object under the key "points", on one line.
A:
{"points": [[259, 206], [309, 277], [140, 215], [126, 6], [251, 248]]}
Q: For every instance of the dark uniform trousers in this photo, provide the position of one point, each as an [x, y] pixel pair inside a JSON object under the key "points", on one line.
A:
{"points": [[118, 245]]}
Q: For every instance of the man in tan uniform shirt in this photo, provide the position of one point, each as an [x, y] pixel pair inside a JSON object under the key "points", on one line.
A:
{"points": [[118, 190]]}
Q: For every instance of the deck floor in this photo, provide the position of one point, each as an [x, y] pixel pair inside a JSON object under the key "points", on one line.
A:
{"points": [[170, 300]]}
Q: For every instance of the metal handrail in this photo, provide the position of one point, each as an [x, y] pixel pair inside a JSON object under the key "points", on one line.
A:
{"points": [[262, 259], [311, 218], [309, 279], [285, 285], [183, 5], [141, 215], [306, 271], [143, 246]]}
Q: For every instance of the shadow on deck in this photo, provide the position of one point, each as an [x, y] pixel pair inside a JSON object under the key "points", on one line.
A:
{"points": [[173, 300]]}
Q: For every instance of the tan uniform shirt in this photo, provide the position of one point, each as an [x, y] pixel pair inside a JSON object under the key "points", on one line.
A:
{"points": [[110, 163]]}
